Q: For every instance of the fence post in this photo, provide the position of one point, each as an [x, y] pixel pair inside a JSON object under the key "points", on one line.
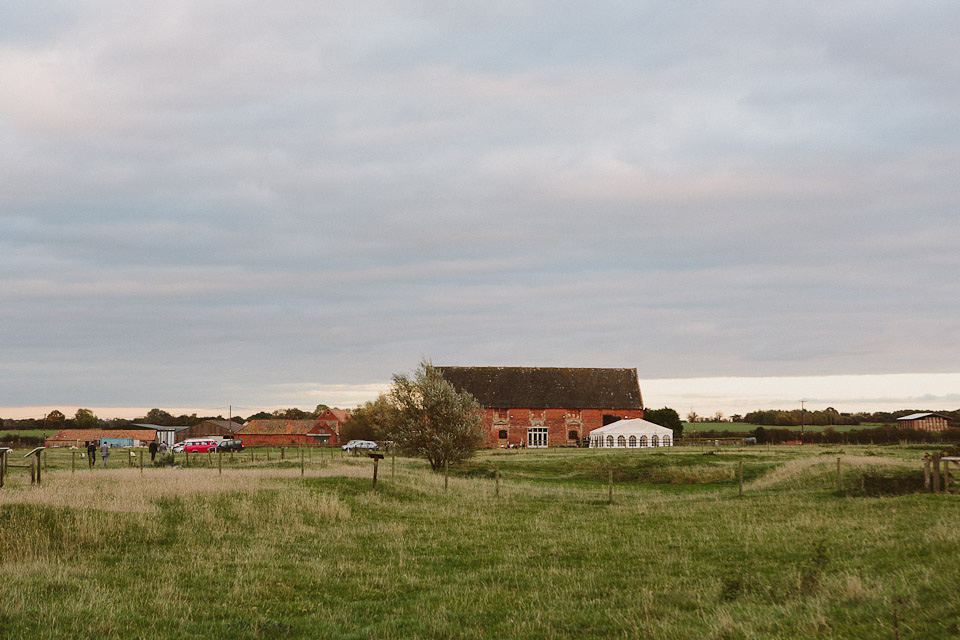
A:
{"points": [[376, 464], [446, 474], [740, 478], [282, 451], [141, 463], [33, 475], [44, 454], [936, 473], [946, 476], [926, 472], [301, 462], [73, 462], [220, 463], [610, 486], [496, 476]]}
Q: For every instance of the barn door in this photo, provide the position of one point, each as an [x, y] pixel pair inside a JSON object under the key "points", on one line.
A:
{"points": [[537, 437]]}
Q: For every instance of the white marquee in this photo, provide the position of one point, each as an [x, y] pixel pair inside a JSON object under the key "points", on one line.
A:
{"points": [[631, 434]]}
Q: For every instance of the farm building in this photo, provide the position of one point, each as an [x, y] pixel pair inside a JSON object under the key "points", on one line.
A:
{"points": [[631, 434], [547, 406], [276, 433], [114, 437], [334, 419], [924, 421]]}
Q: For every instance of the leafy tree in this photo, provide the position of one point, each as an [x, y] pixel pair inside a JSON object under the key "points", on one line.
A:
{"points": [[55, 420], [158, 417], [665, 417], [433, 419], [692, 416], [370, 421], [319, 410], [262, 415], [85, 419]]}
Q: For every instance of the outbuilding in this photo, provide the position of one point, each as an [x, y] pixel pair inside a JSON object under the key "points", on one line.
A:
{"points": [[924, 421], [631, 434]]}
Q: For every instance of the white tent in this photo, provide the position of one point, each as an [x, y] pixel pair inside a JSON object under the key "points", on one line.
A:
{"points": [[631, 434]]}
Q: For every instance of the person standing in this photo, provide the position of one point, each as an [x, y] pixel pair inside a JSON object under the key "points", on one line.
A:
{"points": [[153, 450], [104, 452], [91, 454]]}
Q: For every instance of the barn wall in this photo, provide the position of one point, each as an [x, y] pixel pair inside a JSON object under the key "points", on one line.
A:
{"points": [[559, 422]]}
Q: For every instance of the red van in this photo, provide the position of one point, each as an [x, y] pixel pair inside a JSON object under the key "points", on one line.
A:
{"points": [[200, 445]]}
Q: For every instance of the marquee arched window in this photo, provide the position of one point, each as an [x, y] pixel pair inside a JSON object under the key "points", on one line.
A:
{"points": [[609, 441], [666, 441], [643, 441], [633, 441], [621, 442], [654, 442]]}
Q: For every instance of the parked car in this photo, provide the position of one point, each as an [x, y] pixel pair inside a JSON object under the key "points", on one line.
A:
{"points": [[200, 445], [177, 448], [230, 444], [358, 445]]}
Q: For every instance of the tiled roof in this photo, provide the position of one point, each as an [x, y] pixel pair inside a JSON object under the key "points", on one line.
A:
{"points": [[548, 387], [277, 427], [72, 435]]}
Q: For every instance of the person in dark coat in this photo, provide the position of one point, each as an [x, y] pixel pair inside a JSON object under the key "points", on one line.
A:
{"points": [[153, 450], [91, 454]]}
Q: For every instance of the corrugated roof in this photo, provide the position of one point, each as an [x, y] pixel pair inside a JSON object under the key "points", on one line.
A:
{"points": [[548, 387], [277, 427], [917, 416]]}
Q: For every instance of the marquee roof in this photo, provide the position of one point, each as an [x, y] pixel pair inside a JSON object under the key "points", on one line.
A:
{"points": [[634, 426]]}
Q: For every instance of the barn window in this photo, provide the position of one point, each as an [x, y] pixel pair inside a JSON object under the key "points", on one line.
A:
{"points": [[633, 441], [666, 441], [653, 441], [503, 434], [572, 435], [609, 441], [621, 441], [643, 441]]}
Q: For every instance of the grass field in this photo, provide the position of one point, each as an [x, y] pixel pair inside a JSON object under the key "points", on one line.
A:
{"points": [[261, 551]]}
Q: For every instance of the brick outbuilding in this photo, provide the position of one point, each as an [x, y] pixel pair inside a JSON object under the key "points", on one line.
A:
{"points": [[334, 419], [276, 433], [548, 406]]}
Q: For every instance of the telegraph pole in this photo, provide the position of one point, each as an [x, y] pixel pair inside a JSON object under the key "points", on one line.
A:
{"points": [[801, 421]]}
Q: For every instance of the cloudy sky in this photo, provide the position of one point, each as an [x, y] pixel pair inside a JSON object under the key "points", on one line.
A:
{"points": [[208, 203]]}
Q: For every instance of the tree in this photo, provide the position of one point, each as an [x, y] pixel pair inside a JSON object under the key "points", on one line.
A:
{"points": [[433, 419], [692, 416], [290, 414], [54, 420], [665, 417], [85, 419], [319, 410], [371, 421], [159, 417]]}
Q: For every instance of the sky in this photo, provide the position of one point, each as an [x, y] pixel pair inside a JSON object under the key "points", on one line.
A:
{"points": [[213, 204]]}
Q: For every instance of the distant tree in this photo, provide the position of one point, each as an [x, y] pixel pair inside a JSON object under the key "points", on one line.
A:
{"points": [[158, 417], [692, 416], [736, 417], [85, 419], [718, 416], [665, 417], [262, 415], [319, 410], [54, 420], [370, 421], [434, 420], [290, 414]]}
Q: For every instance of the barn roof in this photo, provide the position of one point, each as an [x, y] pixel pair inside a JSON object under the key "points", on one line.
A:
{"points": [[548, 387], [277, 427], [917, 416], [72, 435]]}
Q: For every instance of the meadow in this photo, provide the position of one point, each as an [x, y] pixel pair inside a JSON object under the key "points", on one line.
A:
{"points": [[267, 549]]}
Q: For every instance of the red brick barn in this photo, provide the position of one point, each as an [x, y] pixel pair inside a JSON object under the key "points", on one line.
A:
{"points": [[548, 406], [277, 433], [333, 419]]}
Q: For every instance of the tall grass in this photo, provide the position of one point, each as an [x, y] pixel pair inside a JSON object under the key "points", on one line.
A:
{"points": [[264, 552]]}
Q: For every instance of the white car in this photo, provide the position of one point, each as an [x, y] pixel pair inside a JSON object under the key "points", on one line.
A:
{"points": [[178, 448], [356, 445]]}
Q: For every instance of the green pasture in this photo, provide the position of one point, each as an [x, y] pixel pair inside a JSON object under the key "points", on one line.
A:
{"points": [[514, 544], [743, 427]]}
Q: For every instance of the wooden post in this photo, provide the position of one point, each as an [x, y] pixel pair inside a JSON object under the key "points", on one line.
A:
{"points": [[839, 477], [393, 463], [301, 462], [33, 473], [220, 463], [926, 472], [282, 450], [496, 476], [610, 486], [3, 465], [141, 462], [268, 454], [44, 455], [946, 476], [186, 457], [446, 474], [740, 479], [73, 462], [936, 473], [376, 464]]}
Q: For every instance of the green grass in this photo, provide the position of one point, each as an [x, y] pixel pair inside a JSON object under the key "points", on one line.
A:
{"points": [[260, 551]]}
